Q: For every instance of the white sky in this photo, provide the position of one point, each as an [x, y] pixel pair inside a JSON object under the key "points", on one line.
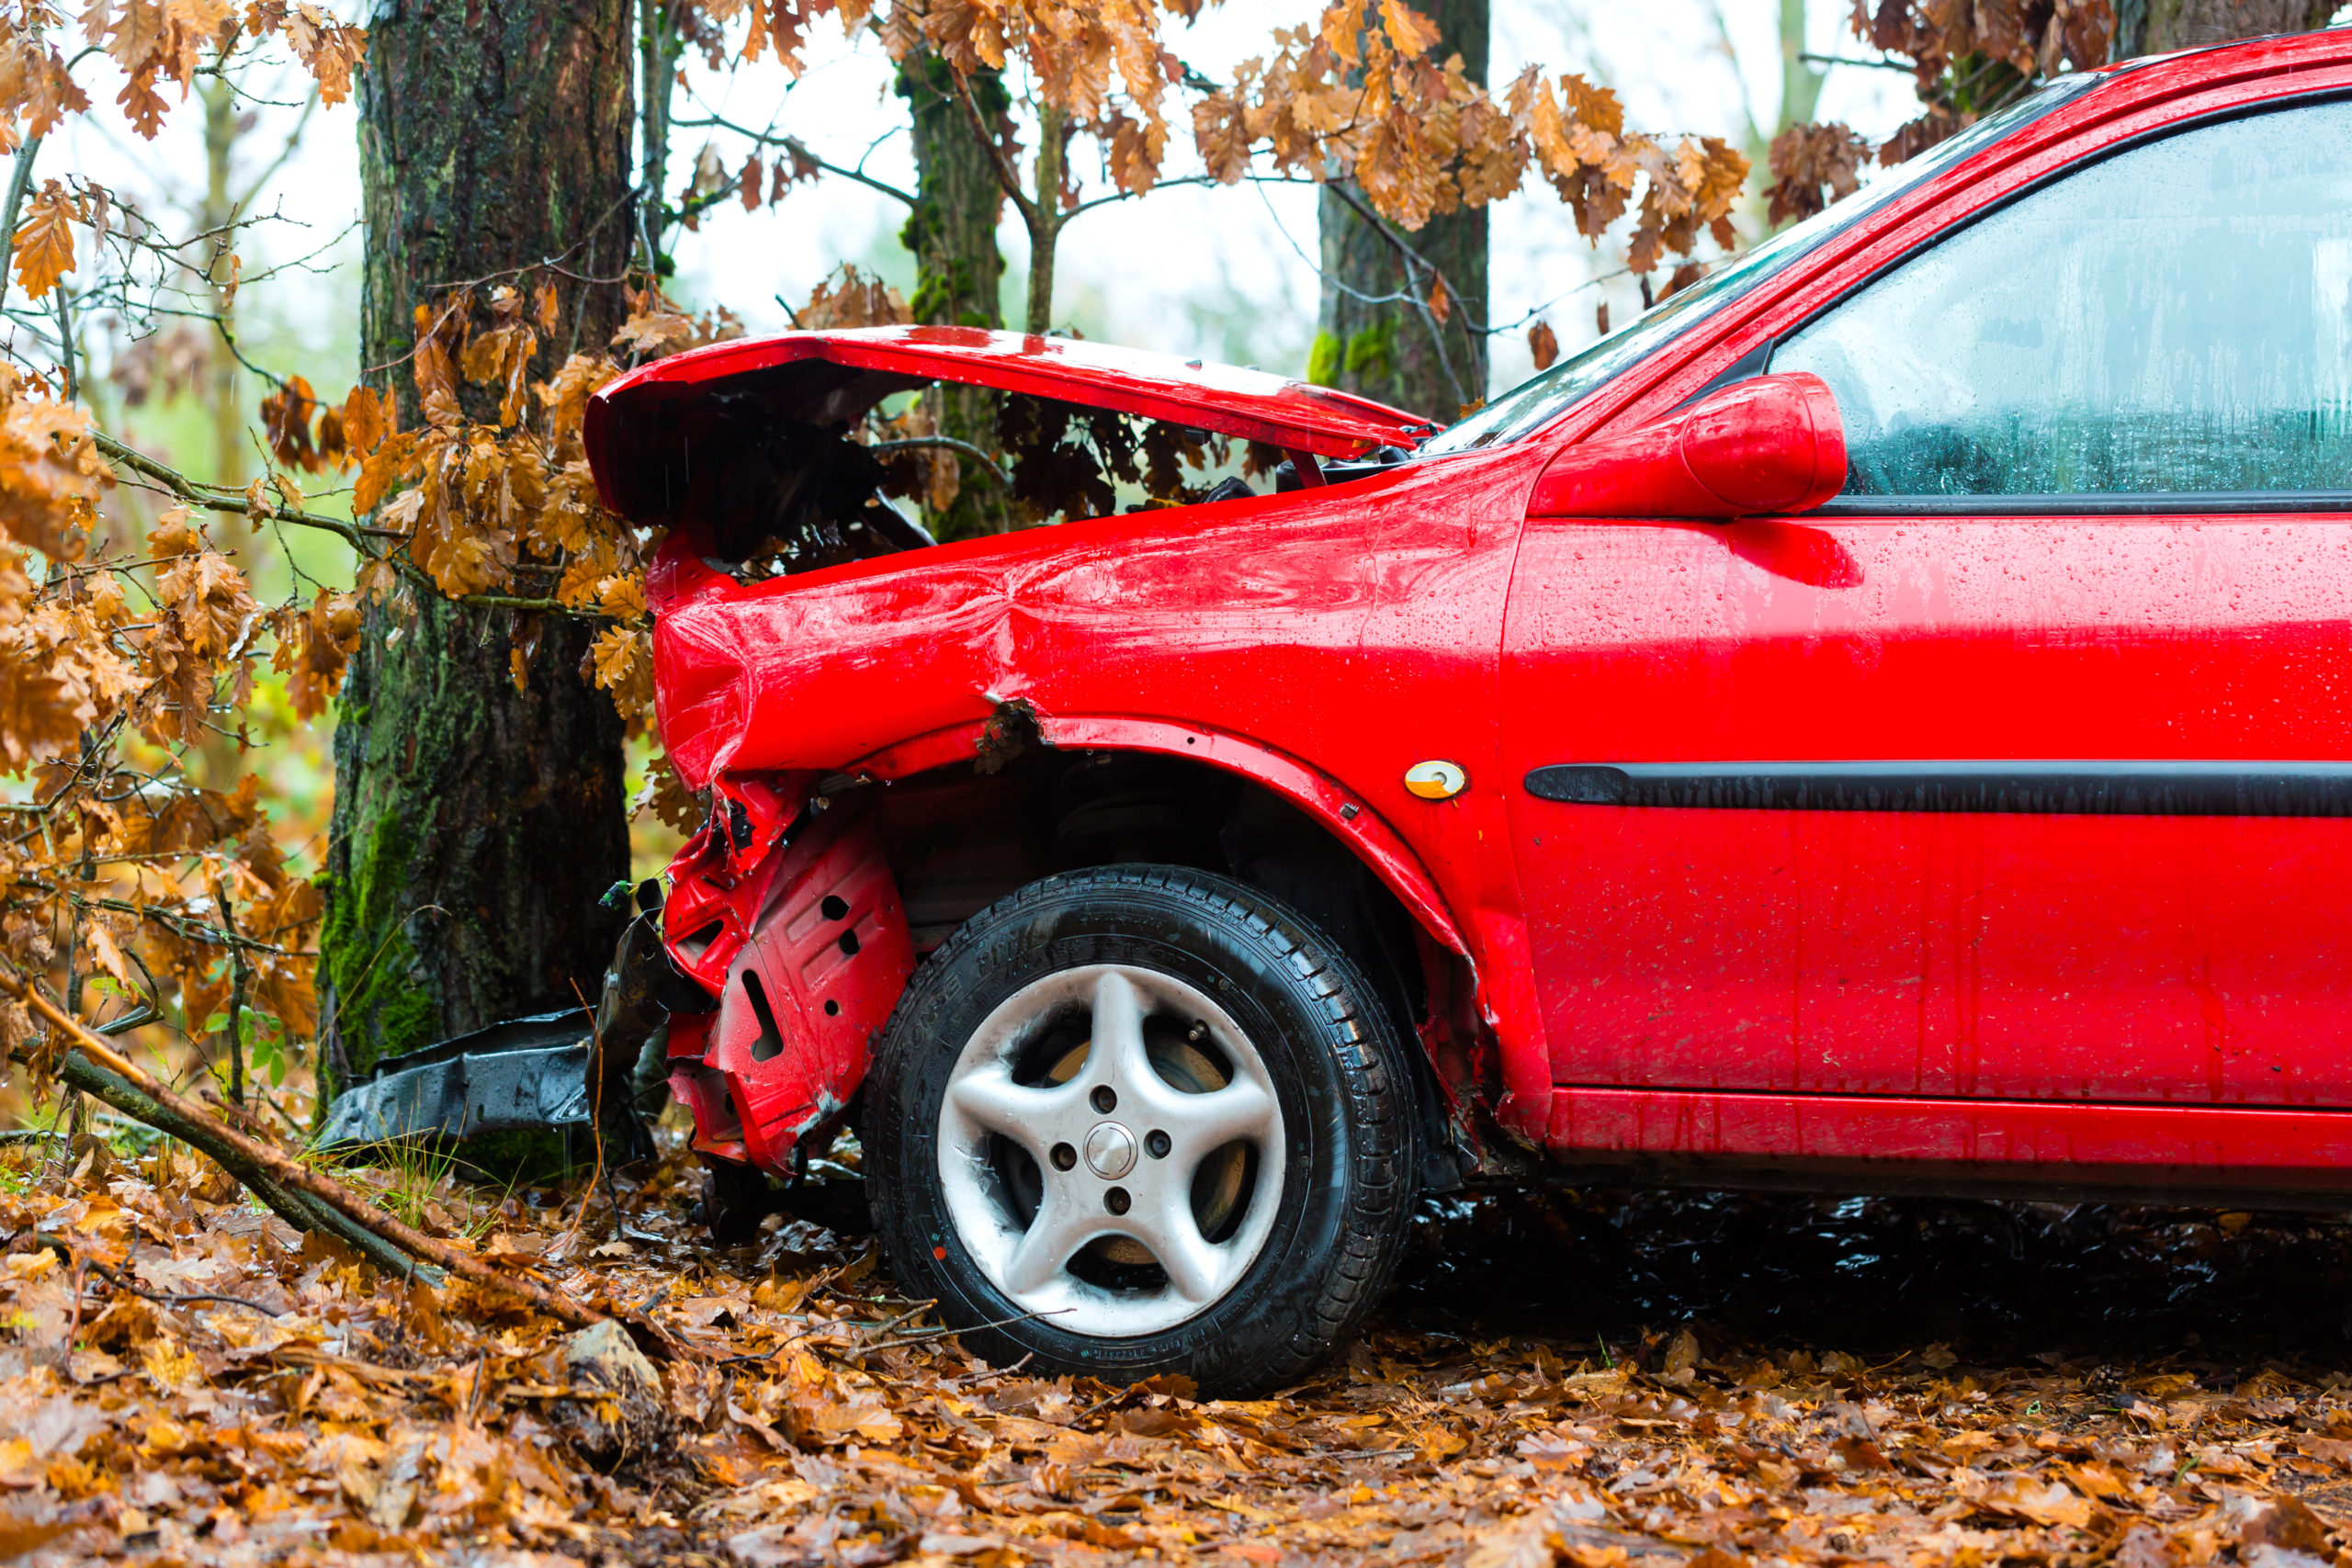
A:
{"points": [[1219, 272]]}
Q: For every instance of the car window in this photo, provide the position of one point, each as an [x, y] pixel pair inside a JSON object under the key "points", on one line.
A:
{"points": [[2174, 318], [1537, 401]]}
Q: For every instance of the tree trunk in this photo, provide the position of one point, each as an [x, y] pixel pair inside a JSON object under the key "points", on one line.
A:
{"points": [[2158, 26], [1800, 79], [1044, 214], [959, 272], [1377, 335], [476, 827]]}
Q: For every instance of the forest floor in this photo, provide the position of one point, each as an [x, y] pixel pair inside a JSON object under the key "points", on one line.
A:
{"points": [[1611, 1380]]}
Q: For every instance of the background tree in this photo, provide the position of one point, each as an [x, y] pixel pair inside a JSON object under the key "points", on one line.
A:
{"points": [[1403, 321], [478, 812], [951, 232]]}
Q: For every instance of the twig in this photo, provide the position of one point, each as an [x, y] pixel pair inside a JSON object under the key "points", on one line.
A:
{"points": [[799, 150], [65, 341], [219, 498], [72, 1255]]}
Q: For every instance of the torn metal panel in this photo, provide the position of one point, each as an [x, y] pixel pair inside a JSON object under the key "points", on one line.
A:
{"points": [[522, 1073], [805, 994]]}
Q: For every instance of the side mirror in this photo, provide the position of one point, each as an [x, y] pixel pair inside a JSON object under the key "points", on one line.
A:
{"points": [[1773, 444]]}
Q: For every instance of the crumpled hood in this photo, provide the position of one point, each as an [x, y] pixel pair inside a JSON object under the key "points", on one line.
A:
{"points": [[651, 432]]}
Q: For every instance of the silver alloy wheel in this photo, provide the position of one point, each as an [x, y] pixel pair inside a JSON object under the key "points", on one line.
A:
{"points": [[1117, 1178]]}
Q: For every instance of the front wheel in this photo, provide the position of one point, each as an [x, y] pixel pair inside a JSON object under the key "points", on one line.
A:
{"points": [[1143, 1120]]}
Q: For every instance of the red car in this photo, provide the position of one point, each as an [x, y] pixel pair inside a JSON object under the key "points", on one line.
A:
{"points": [[1881, 721]]}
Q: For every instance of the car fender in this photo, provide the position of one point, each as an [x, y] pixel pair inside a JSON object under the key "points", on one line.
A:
{"points": [[803, 937], [1367, 835]]}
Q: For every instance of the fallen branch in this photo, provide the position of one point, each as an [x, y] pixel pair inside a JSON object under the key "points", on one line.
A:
{"points": [[311, 1189], [201, 1133]]}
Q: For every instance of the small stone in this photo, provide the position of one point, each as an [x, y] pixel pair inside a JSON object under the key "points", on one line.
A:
{"points": [[631, 1419]]}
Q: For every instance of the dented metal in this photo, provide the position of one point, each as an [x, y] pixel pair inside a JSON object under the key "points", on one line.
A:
{"points": [[520, 1074]]}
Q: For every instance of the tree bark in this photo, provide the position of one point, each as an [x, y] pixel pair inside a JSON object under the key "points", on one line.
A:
{"points": [[1377, 333], [475, 826], [959, 272], [2158, 26]]}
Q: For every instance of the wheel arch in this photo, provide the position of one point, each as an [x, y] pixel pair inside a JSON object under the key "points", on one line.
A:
{"points": [[1005, 781], [1340, 813]]}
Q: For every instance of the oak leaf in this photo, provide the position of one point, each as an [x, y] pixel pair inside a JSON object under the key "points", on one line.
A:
{"points": [[623, 660], [365, 420], [45, 239]]}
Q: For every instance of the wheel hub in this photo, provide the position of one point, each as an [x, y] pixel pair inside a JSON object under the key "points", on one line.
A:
{"points": [[1104, 1225], [1110, 1151]]}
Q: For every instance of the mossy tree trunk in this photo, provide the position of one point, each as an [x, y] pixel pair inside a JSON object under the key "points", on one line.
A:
{"points": [[1376, 334], [960, 271], [475, 826], [2158, 26]]}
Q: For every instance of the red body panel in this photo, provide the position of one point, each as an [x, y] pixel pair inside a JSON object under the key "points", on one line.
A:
{"points": [[2008, 955], [2143, 999]]}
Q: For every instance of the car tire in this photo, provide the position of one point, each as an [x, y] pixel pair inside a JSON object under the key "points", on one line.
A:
{"points": [[1221, 1191]]}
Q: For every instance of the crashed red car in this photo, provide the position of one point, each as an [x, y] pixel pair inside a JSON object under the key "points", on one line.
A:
{"points": [[1882, 721]]}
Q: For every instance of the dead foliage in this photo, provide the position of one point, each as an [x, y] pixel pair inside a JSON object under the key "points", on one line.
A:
{"points": [[183, 1378]]}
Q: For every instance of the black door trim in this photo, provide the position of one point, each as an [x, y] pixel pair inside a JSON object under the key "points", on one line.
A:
{"points": [[2098, 789]]}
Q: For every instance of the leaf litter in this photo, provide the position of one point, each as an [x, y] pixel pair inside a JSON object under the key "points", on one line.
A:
{"points": [[1607, 1381]]}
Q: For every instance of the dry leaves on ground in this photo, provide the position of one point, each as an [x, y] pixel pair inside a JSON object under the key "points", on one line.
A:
{"points": [[267, 1399]]}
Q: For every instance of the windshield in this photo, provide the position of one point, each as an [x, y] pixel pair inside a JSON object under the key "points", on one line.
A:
{"points": [[1537, 401]]}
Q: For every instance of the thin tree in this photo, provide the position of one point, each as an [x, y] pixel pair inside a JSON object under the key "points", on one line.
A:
{"points": [[1402, 318]]}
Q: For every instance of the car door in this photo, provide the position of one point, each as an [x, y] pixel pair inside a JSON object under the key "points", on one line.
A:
{"points": [[2021, 770]]}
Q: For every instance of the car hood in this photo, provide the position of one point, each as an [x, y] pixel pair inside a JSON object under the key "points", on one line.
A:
{"points": [[647, 432]]}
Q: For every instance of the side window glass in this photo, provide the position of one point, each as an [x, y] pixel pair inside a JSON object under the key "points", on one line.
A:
{"points": [[2177, 317]]}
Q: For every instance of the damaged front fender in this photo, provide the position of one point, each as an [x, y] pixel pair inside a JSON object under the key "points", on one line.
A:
{"points": [[801, 937]]}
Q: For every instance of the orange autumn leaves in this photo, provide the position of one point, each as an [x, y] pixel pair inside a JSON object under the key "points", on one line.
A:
{"points": [[130, 860], [498, 506], [1361, 94], [153, 42]]}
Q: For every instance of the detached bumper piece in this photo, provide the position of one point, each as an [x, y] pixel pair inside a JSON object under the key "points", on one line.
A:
{"points": [[803, 999], [522, 1073]]}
